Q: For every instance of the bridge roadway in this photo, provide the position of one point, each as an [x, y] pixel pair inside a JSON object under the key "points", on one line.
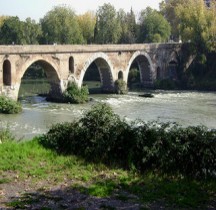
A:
{"points": [[64, 63]]}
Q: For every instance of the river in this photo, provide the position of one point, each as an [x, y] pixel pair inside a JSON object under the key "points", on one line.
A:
{"points": [[184, 107]]}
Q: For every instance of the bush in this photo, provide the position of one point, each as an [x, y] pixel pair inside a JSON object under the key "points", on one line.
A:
{"points": [[120, 86], [171, 148], [9, 106], [62, 137], [100, 135], [76, 95]]}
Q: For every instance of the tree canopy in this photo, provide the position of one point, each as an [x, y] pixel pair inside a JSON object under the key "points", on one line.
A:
{"points": [[128, 26], [14, 31], [60, 26], [87, 23], [199, 26], [153, 26], [108, 28]]}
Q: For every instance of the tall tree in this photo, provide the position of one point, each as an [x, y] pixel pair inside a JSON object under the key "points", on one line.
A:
{"points": [[108, 27], [2, 19], [87, 24], [168, 10], [198, 24], [128, 26], [11, 31], [60, 25], [153, 26], [32, 31]]}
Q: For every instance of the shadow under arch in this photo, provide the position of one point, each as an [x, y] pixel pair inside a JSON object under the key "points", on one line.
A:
{"points": [[145, 66], [7, 80], [120, 75], [105, 70], [51, 75], [173, 64], [173, 69]]}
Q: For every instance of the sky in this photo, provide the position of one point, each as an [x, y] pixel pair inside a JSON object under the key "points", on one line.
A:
{"points": [[36, 9]]}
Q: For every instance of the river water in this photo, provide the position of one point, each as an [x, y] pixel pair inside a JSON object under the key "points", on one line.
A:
{"points": [[184, 107]]}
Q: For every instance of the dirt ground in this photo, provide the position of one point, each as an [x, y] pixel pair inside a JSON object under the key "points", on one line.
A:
{"points": [[43, 195], [48, 195]]}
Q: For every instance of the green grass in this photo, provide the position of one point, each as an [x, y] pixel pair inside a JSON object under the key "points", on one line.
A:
{"points": [[29, 159]]}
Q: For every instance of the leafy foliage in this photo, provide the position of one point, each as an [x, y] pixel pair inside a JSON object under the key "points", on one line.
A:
{"points": [[128, 26], [198, 26], [60, 25], [100, 135], [108, 29], [193, 21], [168, 10], [87, 23], [76, 95], [9, 106], [120, 86], [14, 31], [153, 26], [32, 32], [11, 31]]}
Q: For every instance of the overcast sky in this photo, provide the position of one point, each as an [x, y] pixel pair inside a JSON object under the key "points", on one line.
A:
{"points": [[36, 9]]}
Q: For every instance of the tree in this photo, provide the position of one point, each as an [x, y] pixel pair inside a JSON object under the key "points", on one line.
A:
{"points": [[14, 31], [60, 25], [128, 26], [168, 10], [153, 26], [2, 20], [198, 25], [108, 29], [11, 31], [87, 24], [32, 31]]}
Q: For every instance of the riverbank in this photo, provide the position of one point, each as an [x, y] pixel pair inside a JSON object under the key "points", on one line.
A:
{"points": [[33, 177]]}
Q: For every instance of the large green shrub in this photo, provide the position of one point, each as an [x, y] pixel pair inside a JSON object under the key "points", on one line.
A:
{"points": [[100, 135], [174, 149], [9, 106], [120, 86], [62, 137], [74, 94]]}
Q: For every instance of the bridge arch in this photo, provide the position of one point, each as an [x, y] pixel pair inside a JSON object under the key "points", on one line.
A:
{"points": [[51, 71], [105, 68], [7, 77], [145, 66]]}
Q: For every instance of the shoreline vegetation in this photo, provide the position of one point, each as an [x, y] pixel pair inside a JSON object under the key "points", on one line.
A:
{"points": [[9, 106], [102, 156]]}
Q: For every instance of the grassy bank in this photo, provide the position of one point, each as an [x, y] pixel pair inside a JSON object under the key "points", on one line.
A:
{"points": [[30, 161]]}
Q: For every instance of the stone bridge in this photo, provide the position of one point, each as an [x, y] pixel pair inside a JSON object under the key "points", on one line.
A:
{"points": [[64, 63]]}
